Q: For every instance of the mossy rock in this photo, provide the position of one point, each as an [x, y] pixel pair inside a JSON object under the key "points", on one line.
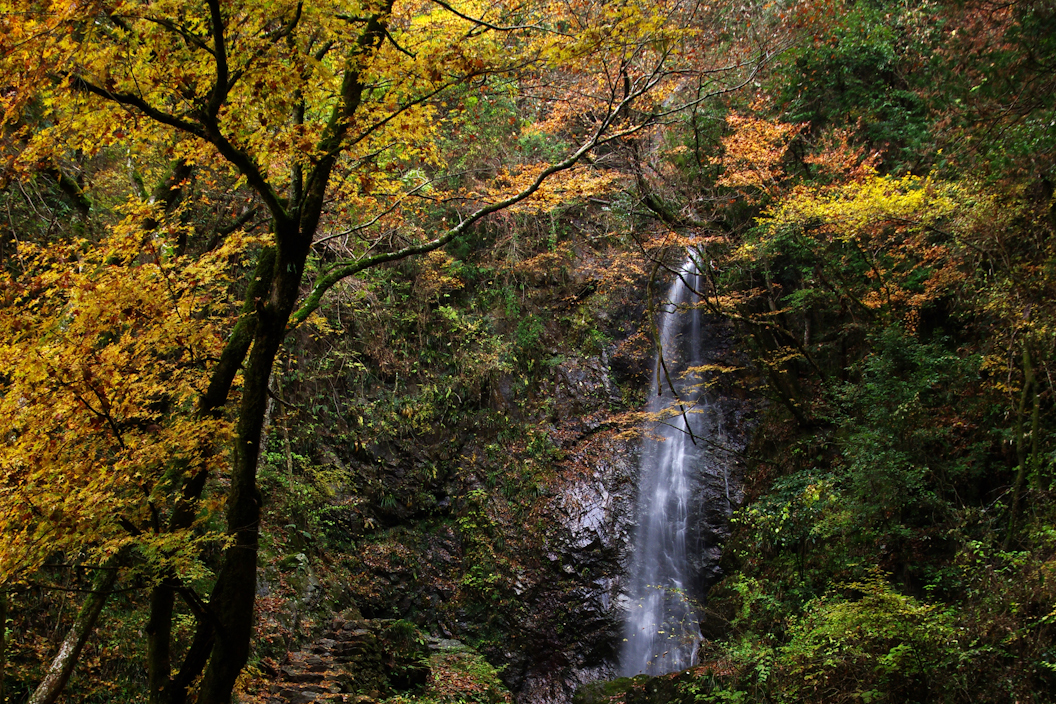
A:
{"points": [[604, 691], [676, 688], [457, 674]]}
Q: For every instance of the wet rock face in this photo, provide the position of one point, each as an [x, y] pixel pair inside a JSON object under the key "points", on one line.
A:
{"points": [[576, 606], [583, 393], [575, 617], [572, 621], [570, 627], [720, 479]]}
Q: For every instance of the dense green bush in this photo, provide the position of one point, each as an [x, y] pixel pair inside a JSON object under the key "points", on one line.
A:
{"points": [[866, 642]]}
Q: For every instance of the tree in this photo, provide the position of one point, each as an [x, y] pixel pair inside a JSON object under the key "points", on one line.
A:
{"points": [[320, 119]]}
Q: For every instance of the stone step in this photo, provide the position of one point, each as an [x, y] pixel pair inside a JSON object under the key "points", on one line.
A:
{"points": [[300, 677]]}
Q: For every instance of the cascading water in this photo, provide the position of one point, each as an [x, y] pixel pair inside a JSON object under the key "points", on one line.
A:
{"points": [[662, 631]]}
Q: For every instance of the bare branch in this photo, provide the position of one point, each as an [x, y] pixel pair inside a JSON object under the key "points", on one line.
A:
{"points": [[379, 216], [481, 22]]}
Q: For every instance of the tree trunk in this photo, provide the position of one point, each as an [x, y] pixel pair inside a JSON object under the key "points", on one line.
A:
{"points": [[62, 665], [159, 642], [1035, 435], [159, 628], [233, 597], [3, 645], [193, 663], [1021, 445]]}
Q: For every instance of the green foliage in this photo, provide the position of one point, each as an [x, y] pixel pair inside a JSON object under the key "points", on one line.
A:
{"points": [[457, 676], [110, 669], [491, 128], [901, 324], [302, 498], [859, 69], [876, 646], [485, 564], [894, 451]]}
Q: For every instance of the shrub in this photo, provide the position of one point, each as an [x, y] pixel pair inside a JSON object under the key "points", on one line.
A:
{"points": [[866, 642]]}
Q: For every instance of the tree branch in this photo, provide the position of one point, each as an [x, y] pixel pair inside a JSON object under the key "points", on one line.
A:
{"points": [[331, 143], [328, 280], [220, 88], [131, 100], [187, 35], [481, 22]]}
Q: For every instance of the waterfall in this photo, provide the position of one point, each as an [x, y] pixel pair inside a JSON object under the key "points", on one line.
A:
{"points": [[662, 632]]}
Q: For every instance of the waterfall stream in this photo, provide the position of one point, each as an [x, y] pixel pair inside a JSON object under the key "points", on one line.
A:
{"points": [[661, 633]]}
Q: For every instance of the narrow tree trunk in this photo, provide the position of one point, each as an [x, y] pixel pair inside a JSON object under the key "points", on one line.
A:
{"points": [[62, 666], [1035, 435], [1021, 445], [232, 600], [3, 645], [193, 663], [159, 642], [234, 593]]}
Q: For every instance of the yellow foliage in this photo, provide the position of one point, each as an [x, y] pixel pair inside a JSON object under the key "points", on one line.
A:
{"points": [[436, 276], [103, 358], [851, 210], [569, 186], [888, 227]]}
